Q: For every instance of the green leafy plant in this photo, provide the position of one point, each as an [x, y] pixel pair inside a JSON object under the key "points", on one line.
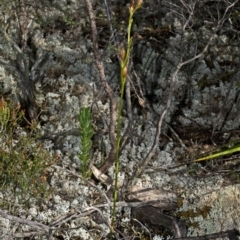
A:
{"points": [[23, 162], [86, 133], [70, 21]]}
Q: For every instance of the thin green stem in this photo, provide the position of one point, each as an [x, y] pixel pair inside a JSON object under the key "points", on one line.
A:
{"points": [[123, 77], [115, 194]]}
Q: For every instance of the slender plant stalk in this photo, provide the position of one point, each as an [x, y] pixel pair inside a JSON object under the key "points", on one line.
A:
{"points": [[124, 58]]}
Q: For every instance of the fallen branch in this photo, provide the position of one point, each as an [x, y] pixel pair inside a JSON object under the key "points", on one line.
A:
{"points": [[230, 234]]}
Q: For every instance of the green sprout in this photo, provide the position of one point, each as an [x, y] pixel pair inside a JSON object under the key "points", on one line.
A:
{"points": [[86, 133]]}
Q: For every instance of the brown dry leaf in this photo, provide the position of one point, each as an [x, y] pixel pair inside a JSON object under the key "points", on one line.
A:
{"points": [[155, 197], [103, 178]]}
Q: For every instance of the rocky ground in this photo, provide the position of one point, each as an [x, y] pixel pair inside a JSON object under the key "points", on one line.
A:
{"points": [[203, 114]]}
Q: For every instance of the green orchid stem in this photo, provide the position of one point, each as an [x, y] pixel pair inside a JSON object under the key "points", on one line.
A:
{"points": [[123, 77], [115, 194]]}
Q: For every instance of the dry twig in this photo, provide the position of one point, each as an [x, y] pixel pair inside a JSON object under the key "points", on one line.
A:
{"points": [[113, 105]]}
